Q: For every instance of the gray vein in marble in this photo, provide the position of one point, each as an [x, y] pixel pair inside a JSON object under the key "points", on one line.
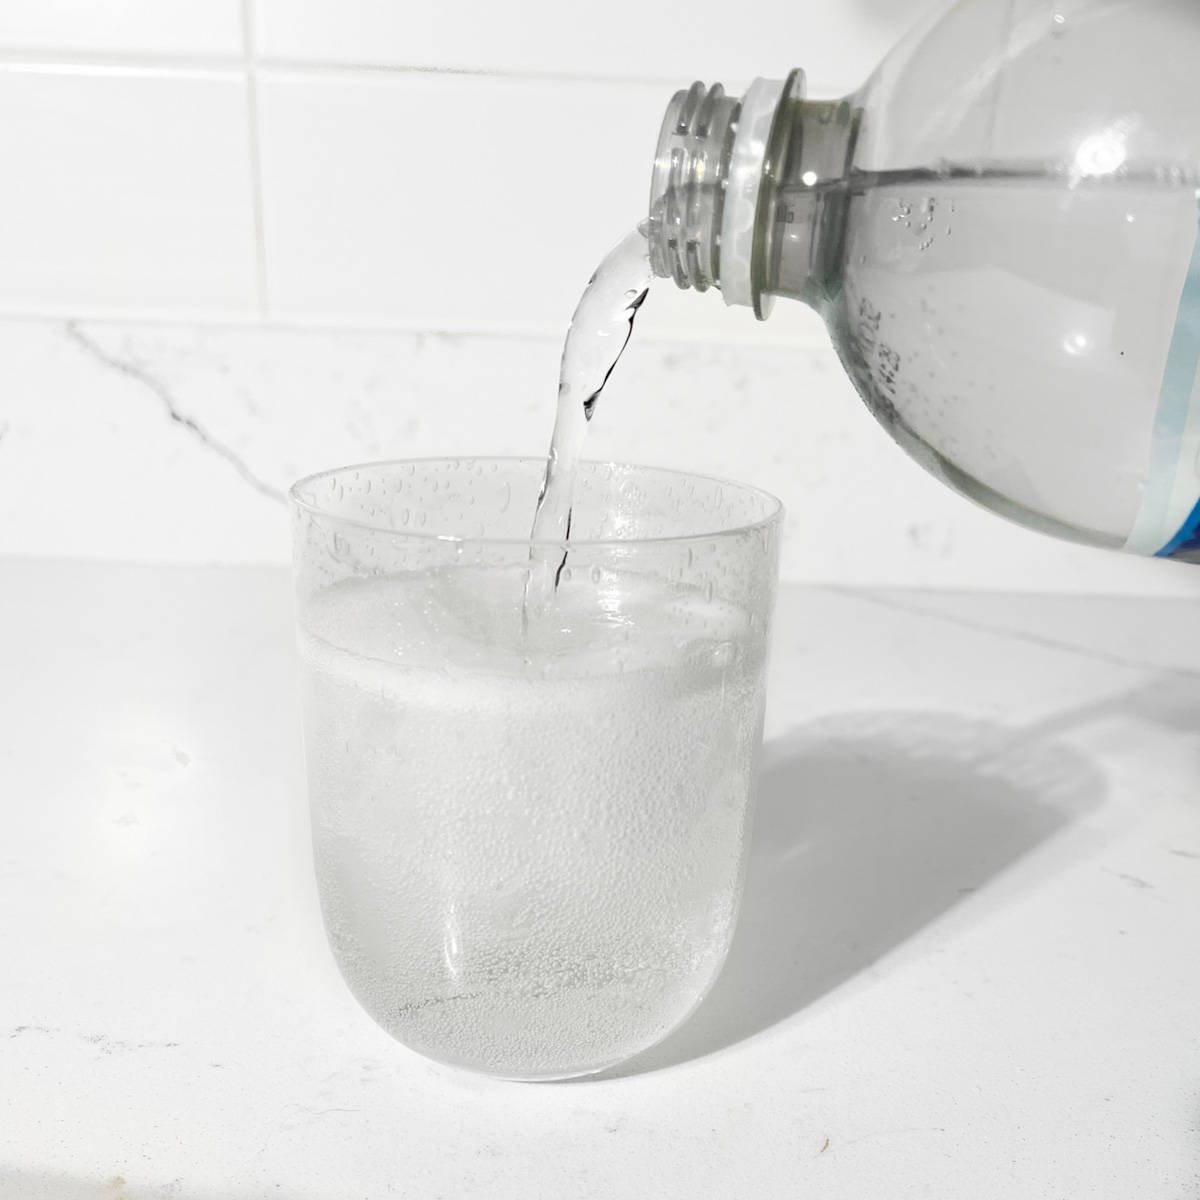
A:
{"points": [[1134, 881], [102, 1041], [138, 373], [1017, 635]]}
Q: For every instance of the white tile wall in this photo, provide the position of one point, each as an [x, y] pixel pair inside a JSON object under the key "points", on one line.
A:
{"points": [[289, 174], [444, 201], [837, 43], [128, 191], [175, 27], [456, 202]]}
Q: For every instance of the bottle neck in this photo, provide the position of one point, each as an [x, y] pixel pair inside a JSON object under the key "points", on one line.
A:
{"points": [[742, 196]]}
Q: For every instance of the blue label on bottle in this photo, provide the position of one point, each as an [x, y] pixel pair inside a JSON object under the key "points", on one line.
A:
{"points": [[1186, 543], [1168, 522]]}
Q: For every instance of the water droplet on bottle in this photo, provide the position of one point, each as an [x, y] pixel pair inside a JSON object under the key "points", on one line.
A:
{"points": [[1058, 24], [595, 575]]}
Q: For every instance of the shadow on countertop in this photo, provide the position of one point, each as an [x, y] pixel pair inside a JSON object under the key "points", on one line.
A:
{"points": [[869, 827]]}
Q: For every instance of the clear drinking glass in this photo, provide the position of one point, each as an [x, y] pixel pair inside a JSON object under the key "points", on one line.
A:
{"points": [[530, 801]]}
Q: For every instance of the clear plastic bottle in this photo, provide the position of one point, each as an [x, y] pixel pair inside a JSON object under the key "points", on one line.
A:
{"points": [[1000, 231]]}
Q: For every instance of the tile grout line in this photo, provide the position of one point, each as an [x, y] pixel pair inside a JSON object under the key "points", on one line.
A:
{"points": [[165, 61], [256, 169], [333, 325]]}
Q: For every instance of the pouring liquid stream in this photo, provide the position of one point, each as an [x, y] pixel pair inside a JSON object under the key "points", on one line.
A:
{"points": [[596, 338]]}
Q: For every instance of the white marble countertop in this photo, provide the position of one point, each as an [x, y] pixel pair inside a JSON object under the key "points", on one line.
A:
{"points": [[968, 963]]}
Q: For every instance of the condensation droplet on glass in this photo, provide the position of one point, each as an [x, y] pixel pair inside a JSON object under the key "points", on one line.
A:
{"points": [[1058, 24], [594, 574]]}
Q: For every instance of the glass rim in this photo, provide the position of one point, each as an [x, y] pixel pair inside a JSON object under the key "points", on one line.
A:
{"points": [[773, 515]]}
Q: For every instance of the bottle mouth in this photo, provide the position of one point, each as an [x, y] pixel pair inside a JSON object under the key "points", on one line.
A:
{"points": [[687, 191], [710, 184]]}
